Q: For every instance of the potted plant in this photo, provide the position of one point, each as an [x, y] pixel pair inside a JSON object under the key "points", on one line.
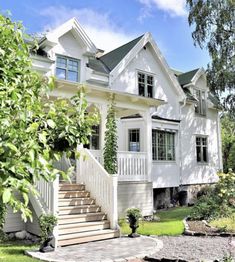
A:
{"points": [[47, 224], [133, 216]]}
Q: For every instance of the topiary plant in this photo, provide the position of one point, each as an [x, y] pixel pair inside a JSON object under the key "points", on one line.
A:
{"points": [[133, 216], [47, 224]]}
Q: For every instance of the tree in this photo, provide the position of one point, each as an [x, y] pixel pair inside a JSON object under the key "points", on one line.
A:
{"points": [[228, 142], [34, 131], [215, 29], [110, 147]]}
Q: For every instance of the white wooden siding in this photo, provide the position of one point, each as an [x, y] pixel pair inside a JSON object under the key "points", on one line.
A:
{"points": [[135, 194]]}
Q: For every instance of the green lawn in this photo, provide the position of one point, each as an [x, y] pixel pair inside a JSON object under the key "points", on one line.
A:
{"points": [[13, 251], [227, 223], [170, 223]]}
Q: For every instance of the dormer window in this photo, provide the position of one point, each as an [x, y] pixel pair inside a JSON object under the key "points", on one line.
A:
{"points": [[67, 68], [200, 107], [145, 84]]}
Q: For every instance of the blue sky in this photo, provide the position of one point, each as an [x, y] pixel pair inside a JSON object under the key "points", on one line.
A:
{"points": [[111, 23]]}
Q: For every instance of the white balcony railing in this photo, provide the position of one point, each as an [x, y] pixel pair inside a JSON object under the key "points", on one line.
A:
{"points": [[131, 165]]}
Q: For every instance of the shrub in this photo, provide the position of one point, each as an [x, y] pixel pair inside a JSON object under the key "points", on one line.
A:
{"points": [[47, 224], [218, 201], [133, 213]]}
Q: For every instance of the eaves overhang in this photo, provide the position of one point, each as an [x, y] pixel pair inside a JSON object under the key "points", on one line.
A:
{"points": [[98, 91]]}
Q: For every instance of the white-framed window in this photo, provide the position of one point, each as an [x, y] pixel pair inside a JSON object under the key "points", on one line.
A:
{"points": [[201, 149], [134, 140], [94, 139], [163, 145], [67, 68], [200, 107], [145, 84]]}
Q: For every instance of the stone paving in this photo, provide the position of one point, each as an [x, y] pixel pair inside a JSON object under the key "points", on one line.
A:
{"points": [[117, 250]]}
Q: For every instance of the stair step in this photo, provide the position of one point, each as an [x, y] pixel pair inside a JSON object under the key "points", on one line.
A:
{"points": [[83, 227], [68, 219], [79, 209], [84, 237], [76, 201], [73, 194], [71, 187]]}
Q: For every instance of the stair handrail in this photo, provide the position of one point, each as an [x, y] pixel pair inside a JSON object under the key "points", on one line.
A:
{"points": [[46, 201], [102, 185]]}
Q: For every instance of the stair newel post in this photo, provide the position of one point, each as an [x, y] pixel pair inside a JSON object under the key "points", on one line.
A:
{"points": [[114, 204], [55, 206], [79, 164]]}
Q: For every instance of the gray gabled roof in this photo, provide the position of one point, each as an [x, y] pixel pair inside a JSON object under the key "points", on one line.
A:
{"points": [[114, 57], [186, 77], [97, 65]]}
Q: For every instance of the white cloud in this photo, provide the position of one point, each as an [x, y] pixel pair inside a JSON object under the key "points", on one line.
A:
{"points": [[172, 7], [99, 27]]}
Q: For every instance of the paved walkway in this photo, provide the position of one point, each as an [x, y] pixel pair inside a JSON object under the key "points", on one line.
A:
{"points": [[118, 250]]}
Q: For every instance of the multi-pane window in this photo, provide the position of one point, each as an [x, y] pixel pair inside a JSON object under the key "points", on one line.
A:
{"points": [[201, 149], [134, 140], [145, 84], [95, 138], [163, 145], [67, 68], [200, 107]]}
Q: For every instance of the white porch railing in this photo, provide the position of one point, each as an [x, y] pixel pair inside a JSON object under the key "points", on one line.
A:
{"points": [[102, 185], [131, 165]]}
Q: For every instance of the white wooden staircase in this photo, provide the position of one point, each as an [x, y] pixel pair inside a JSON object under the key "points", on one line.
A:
{"points": [[80, 219]]}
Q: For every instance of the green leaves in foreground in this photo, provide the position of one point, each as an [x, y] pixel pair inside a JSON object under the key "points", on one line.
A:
{"points": [[33, 133]]}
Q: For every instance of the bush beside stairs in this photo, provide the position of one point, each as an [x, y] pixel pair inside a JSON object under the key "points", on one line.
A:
{"points": [[80, 220]]}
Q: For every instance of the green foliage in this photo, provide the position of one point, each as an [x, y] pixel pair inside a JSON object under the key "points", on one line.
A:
{"points": [[217, 202], [3, 211], [110, 147], [34, 131], [47, 224], [133, 213], [228, 142], [225, 223], [214, 28]]}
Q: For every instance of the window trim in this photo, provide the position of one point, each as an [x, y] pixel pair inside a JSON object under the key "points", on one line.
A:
{"points": [[200, 103], [66, 69], [128, 139], [166, 146], [201, 149], [145, 84]]}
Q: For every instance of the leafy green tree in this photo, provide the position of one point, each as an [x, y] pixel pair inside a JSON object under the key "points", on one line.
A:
{"points": [[215, 29], [228, 142], [34, 131], [110, 147]]}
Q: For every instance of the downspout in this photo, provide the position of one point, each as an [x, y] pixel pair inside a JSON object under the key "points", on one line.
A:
{"points": [[180, 143]]}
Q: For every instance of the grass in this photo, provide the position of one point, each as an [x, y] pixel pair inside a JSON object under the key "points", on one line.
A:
{"points": [[170, 223], [13, 251], [227, 223]]}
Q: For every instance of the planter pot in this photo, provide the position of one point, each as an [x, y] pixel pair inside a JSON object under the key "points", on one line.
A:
{"points": [[133, 225], [46, 246]]}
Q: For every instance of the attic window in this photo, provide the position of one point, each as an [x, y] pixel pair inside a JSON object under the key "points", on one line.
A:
{"points": [[67, 68], [145, 84], [200, 107]]}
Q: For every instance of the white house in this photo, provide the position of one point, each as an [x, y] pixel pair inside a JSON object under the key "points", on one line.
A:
{"points": [[168, 133]]}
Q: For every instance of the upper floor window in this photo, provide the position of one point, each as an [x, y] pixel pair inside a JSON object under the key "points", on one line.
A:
{"points": [[145, 84], [67, 68], [163, 147], [200, 107], [134, 140], [201, 149]]}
